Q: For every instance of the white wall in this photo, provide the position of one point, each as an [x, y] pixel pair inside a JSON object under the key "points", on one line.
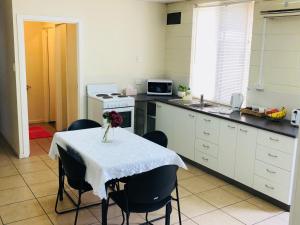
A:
{"points": [[8, 94], [121, 40]]}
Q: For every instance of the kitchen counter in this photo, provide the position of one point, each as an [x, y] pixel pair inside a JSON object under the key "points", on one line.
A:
{"points": [[147, 98], [282, 127]]}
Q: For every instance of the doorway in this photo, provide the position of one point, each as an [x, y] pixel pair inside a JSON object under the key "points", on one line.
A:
{"points": [[51, 80]]}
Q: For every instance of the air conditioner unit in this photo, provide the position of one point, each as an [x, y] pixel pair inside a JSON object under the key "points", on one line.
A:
{"points": [[275, 8]]}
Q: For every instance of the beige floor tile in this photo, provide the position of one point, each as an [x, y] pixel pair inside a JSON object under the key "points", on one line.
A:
{"points": [[36, 149], [8, 170], [162, 212], [196, 184], [183, 174], [187, 222], [31, 167], [40, 177], [87, 198], [182, 192], [219, 198], [84, 218], [192, 206], [282, 219], [237, 192], [20, 211], [11, 182], [247, 212], [48, 203], [45, 157], [44, 143], [194, 170], [113, 211], [18, 161], [51, 163], [216, 218], [5, 161], [40, 220], [213, 180], [44, 189], [134, 220], [265, 205], [15, 195]]}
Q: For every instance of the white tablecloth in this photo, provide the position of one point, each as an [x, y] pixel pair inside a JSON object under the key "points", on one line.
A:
{"points": [[126, 155]]}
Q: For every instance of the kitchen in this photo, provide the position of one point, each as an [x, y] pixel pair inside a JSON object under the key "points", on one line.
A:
{"points": [[211, 136]]}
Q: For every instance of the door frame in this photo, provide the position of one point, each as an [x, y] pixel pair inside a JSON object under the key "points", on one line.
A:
{"points": [[24, 144]]}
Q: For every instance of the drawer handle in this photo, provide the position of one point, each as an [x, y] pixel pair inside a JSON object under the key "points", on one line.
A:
{"points": [[245, 131], [192, 116], [269, 187], [206, 133], [205, 146], [274, 139], [273, 156], [205, 159], [232, 127], [207, 120], [270, 171]]}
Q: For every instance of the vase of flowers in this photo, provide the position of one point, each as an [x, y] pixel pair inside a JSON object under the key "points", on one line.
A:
{"points": [[113, 119]]}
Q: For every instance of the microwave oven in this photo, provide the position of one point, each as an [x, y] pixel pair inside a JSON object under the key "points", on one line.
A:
{"points": [[159, 87]]}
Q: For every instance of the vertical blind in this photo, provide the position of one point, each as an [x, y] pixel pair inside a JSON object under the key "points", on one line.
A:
{"points": [[221, 51]]}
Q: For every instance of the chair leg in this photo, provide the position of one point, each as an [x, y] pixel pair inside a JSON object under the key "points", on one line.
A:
{"points": [[178, 205], [78, 206], [123, 218], [60, 180], [127, 218], [56, 203], [168, 213]]}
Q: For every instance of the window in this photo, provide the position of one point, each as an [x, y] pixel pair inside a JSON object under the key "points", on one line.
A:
{"points": [[221, 51]]}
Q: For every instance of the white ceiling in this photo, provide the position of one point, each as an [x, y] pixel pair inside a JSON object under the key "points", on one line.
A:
{"points": [[165, 1]]}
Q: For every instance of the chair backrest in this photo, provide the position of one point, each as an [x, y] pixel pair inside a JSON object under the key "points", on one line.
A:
{"points": [[73, 166], [152, 186], [83, 124], [157, 137]]}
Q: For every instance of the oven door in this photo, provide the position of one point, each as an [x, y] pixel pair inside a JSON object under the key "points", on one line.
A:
{"points": [[128, 117]]}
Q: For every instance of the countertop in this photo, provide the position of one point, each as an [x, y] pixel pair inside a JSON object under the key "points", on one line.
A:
{"points": [[282, 127]]}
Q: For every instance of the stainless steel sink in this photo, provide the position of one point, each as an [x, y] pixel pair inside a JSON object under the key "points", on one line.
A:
{"points": [[198, 105], [191, 103]]}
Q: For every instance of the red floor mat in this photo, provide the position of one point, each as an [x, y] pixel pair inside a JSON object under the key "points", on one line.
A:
{"points": [[38, 132]]}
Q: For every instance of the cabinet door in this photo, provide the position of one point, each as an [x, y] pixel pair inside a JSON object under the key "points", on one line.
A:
{"points": [[165, 121], [227, 147], [245, 154], [184, 133]]}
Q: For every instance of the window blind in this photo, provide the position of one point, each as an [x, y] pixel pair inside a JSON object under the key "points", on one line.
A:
{"points": [[221, 51]]}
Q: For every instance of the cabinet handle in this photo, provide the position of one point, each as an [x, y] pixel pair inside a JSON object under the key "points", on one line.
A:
{"points": [[205, 146], [269, 187], [205, 159], [192, 116], [232, 127], [274, 139], [270, 171], [207, 120], [206, 133], [245, 131], [273, 156]]}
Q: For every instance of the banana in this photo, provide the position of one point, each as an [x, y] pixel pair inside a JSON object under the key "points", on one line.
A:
{"points": [[279, 115]]}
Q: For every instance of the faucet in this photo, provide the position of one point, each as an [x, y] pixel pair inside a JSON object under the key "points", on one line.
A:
{"points": [[202, 100]]}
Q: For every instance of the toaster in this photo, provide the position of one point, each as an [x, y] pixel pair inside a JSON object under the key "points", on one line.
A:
{"points": [[295, 118]]}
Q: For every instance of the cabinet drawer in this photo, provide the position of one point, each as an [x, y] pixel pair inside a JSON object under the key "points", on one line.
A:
{"points": [[206, 147], [206, 160], [277, 191], [274, 157], [207, 128], [272, 173], [280, 142]]}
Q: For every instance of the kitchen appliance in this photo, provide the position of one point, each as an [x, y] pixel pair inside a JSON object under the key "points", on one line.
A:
{"points": [[236, 101], [295, 118], [106, 98], [159, 87]]}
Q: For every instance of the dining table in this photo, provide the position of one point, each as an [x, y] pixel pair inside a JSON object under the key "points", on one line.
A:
{"points": [[124, 155]]}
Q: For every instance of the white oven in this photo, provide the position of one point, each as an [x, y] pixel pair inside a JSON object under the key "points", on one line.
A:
{"points": [[128, 117]]}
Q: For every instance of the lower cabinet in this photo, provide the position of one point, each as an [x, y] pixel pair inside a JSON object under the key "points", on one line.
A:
{"points": [[245, 154], [259, 159]]}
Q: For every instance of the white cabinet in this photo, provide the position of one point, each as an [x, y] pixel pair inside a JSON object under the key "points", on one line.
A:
{"points": [[165, 121], [227, 147], [207, 128], [184, 132], [245, 154]]}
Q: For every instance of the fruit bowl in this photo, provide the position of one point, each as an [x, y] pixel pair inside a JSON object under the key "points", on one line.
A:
{"points": [[276, 114]]}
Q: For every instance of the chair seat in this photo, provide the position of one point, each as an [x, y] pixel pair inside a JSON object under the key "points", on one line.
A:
{"points": [[119, 198], [76, 185]]}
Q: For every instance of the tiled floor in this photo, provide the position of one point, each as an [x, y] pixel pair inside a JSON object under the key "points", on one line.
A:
{"points": [[28, 190]]}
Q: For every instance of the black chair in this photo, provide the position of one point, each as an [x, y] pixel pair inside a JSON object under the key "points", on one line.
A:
{"points": [[74, 169], [157, 137], [83, 124], [148, 192]]}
